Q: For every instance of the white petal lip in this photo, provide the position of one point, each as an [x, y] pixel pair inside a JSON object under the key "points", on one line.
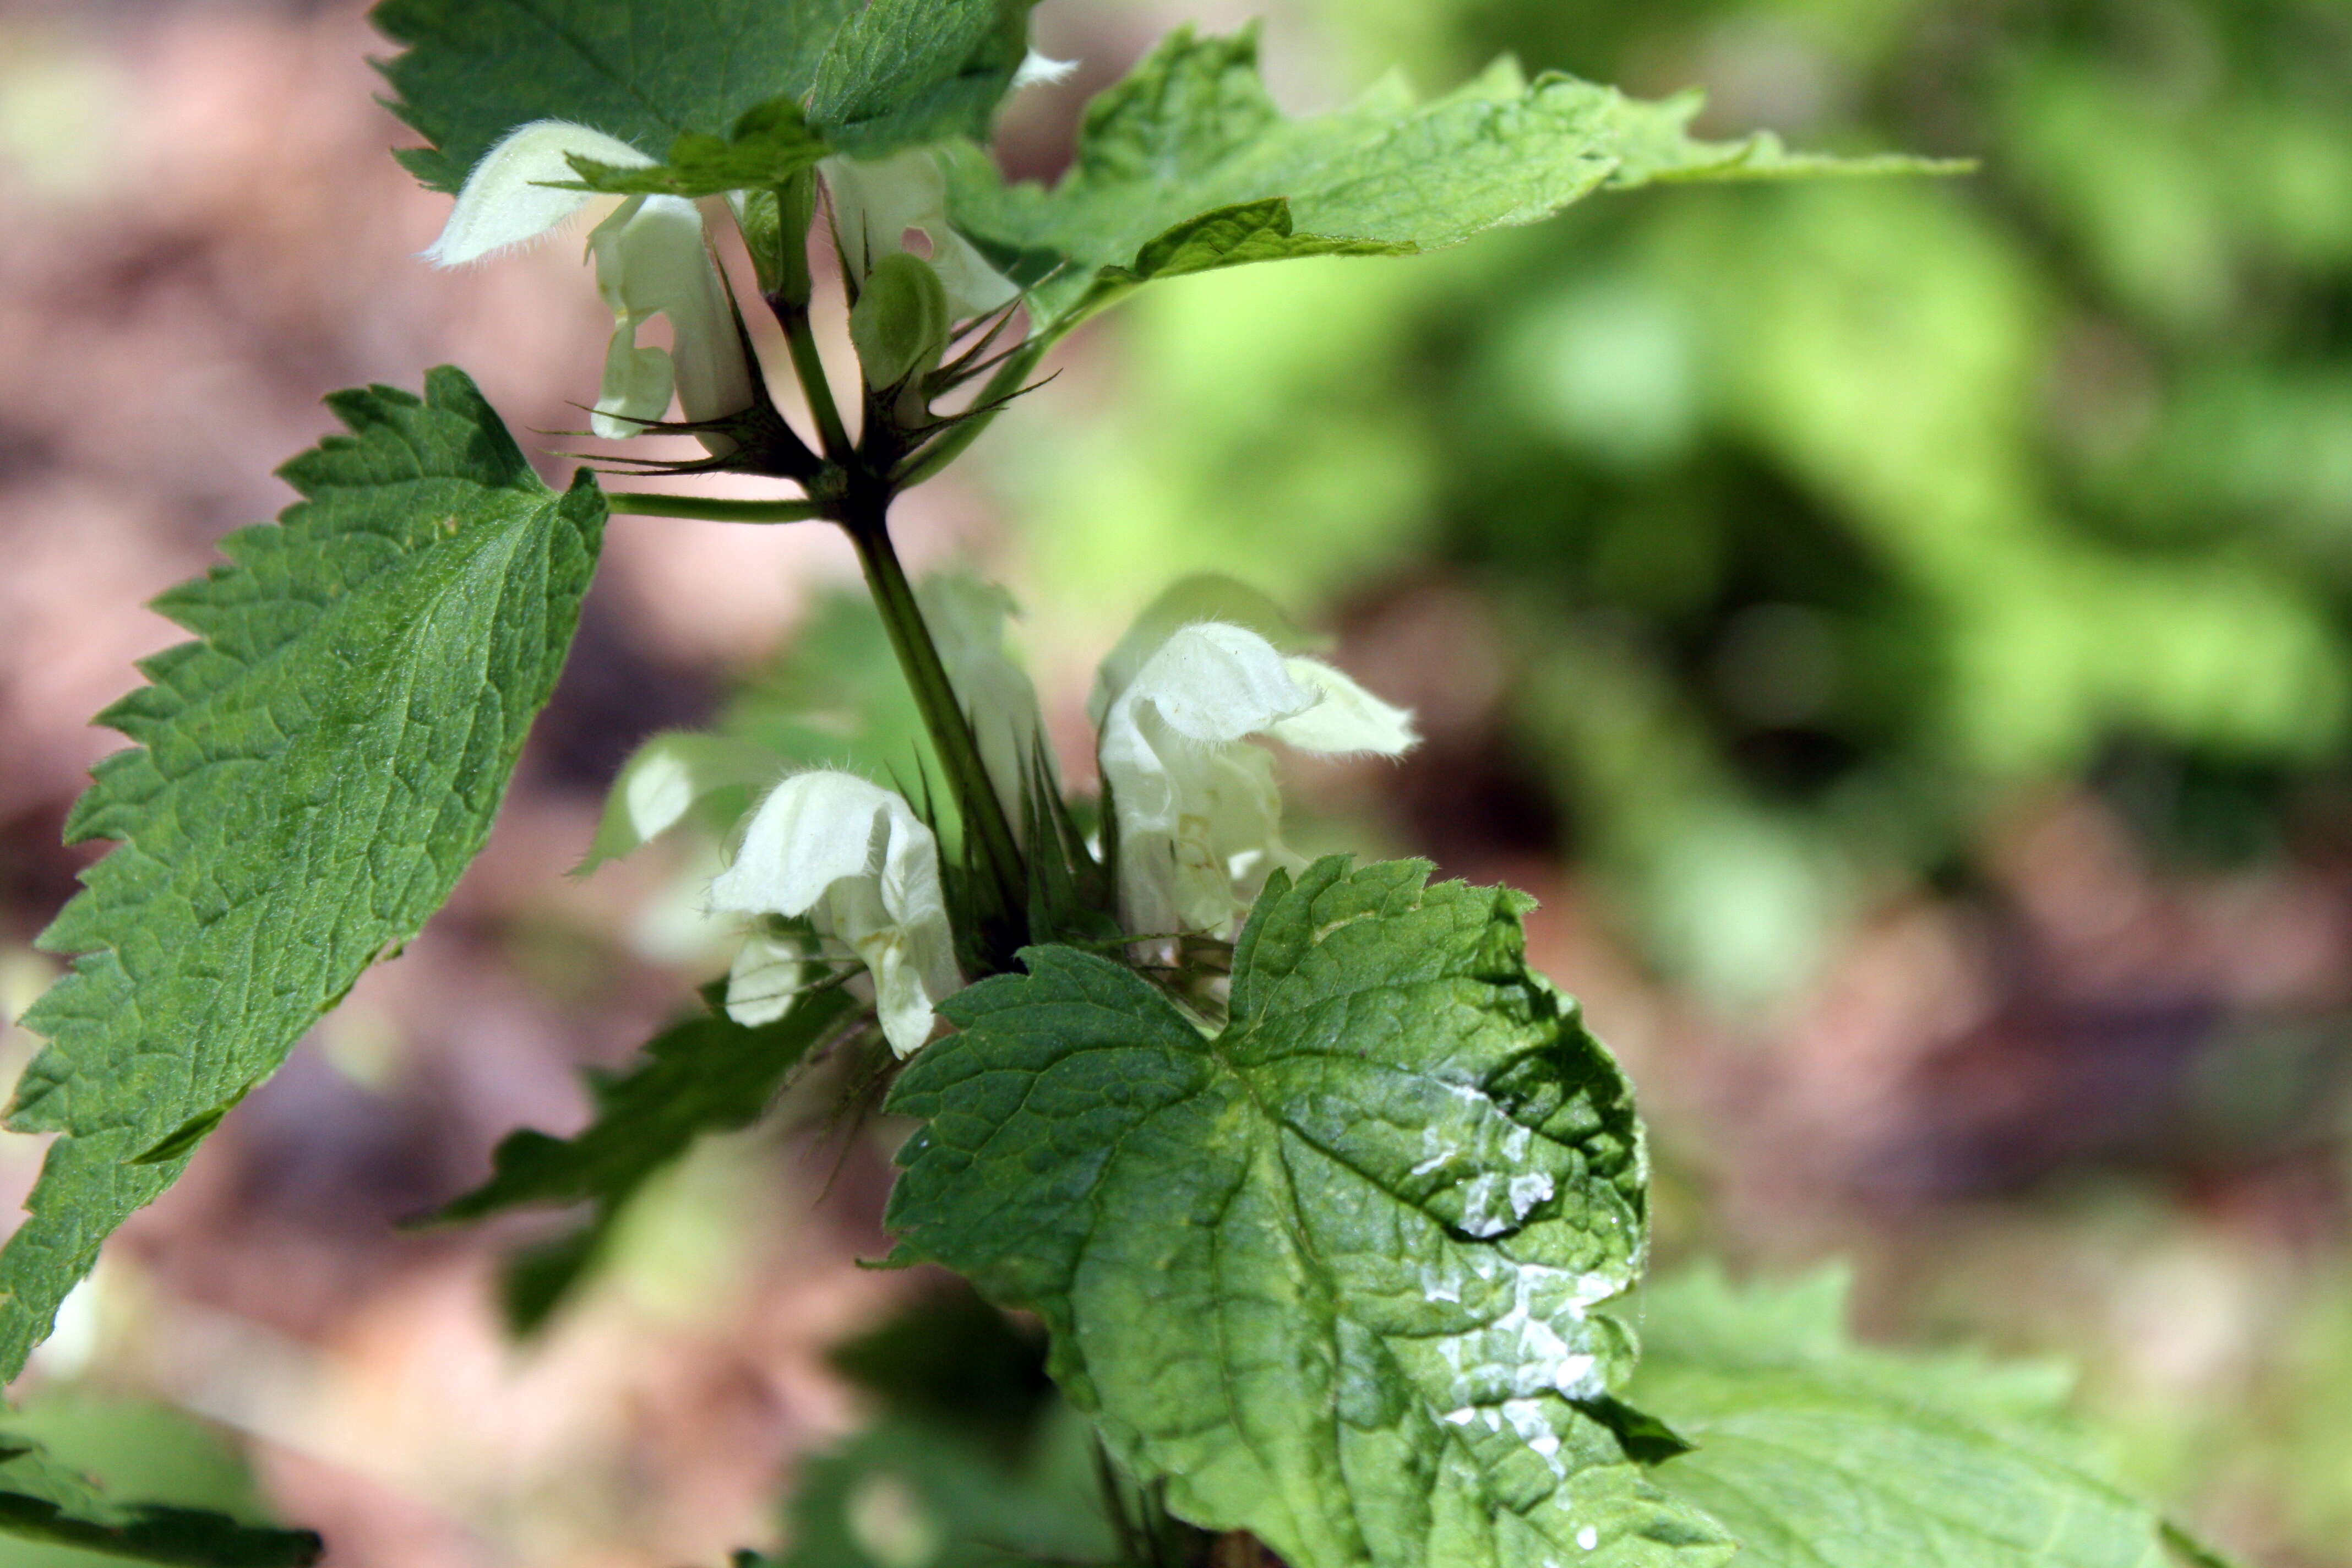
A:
{"points": [[1346, 719], [765, 981], [507, 200], [853, 857]]}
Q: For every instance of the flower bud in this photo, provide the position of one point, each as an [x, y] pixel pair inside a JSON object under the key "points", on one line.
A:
{"points": [[901, 321]]}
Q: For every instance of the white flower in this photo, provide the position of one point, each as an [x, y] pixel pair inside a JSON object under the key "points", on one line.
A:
{"points": [[877, 201], [854, 859], [650, 262], [966, 618], [1198, 813]]}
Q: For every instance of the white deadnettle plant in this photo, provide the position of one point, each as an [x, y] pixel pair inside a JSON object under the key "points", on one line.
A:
{"points": [[1200, 819], [855, 860], [652, 259]]}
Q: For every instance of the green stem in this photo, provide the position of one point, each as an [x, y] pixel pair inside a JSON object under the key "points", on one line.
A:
{"points": [[943, 714], [808, 365], [640, 503]]}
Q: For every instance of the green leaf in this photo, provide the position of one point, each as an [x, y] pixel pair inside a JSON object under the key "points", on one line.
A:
{"points": [[769, 144], [1814, 1451], [644, 70], [311, 777], [1330, 1272], [707, 1074], [1188, 166], [719, 86], [42, 1499], [904, 71], [913, 1492]]}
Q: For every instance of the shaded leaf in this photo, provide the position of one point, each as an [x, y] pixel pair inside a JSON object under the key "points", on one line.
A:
{"points": [[707, 1074], [904, 71], [1813, 1450], [913, 1492], [42, 1499], [310, 778]]}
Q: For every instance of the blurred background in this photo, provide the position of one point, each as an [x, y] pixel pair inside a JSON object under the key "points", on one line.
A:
{"points": [[1902, 631]]}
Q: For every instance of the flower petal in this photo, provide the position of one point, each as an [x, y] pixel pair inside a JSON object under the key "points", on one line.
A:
{"points": [[813, 830], [854, 858], [507, 200], [1348, 718], [1215, 682], [766, 980], [1203, 596], [637, 387], [651, 260], [1037, 69]]}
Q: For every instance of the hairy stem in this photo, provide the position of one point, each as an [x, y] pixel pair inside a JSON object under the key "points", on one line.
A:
{"points": [[943, 715], [705, 509]]}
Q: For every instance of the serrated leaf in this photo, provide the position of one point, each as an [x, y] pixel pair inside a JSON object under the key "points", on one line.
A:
{"points": [[1188, 165], [1814, 1451], [705, 1075], [42, 1499], [311, 777], [717, 87], [1330, 1272], [910, 1490], [904, 71]]}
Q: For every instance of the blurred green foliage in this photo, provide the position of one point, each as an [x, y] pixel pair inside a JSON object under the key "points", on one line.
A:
{"points": [[1822, 519], [136, 1450]]}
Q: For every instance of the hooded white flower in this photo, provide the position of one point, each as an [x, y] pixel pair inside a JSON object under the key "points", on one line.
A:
{"points": [[1199, 817], [853, 858], [877, 201], [650, 262]]}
